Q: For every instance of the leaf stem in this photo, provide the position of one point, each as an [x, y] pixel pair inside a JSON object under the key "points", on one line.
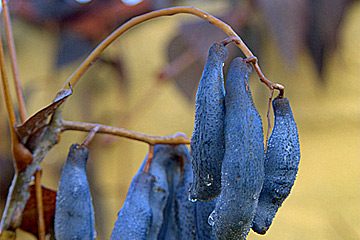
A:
{"points": [[39, 205], [14, 64], [149, 158], [121, 132]]}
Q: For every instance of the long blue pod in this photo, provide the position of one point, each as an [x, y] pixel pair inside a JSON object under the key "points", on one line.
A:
{"points": [[243, 165], [74, 212], [207, 140], [135, 217], [281, 165]]}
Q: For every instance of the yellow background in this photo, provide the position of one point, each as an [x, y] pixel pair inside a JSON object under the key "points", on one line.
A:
{"points": [[324, 203]]}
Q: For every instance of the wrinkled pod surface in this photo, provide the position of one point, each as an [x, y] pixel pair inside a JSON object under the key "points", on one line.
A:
{"points": [[242, 168], [281, 165], [74, 212], [207, 140], [173, 213]]}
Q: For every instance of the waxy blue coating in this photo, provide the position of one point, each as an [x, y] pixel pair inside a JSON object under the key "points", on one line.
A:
{"points": [[135, 217], [203, 228], [281, 165], [74, 212], [207, 140], [243, 164]]}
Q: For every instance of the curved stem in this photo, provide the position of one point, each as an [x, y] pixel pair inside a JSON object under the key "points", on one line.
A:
{"points": [[121, 132], [165, 12]]}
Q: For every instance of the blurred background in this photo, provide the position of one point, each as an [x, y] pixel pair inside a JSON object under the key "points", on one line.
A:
{"points": [[146, 81]]}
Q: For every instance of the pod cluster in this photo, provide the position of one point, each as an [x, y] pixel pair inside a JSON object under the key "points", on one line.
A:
{"points": [[74, 211], [232, 174], [225, 186]]}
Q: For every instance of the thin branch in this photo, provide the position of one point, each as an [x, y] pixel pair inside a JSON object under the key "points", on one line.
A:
{"points": [[149, 158], [121, 132], [94, 55], [39, 205], [14, 64], [7, 96], [268, 119]]}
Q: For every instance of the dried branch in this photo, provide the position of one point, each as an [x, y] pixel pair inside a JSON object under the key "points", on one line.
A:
{"points": [[14, 64], [121, 132]]}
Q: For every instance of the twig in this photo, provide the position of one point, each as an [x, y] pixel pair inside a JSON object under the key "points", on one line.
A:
{"points": [[14, 65], [94, 55], [268, 119], [121, 132], [7, 96], [149, 158], [39, 205], [90, 137]]}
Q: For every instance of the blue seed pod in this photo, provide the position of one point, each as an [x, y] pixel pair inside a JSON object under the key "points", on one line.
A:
{"points": [[281, 165], [173, 214], [74, 212], [207, 140], [135, 217], [202, 212], [243, 165]]}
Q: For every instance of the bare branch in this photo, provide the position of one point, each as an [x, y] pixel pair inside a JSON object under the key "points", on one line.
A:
{"points": [[121, 132]]}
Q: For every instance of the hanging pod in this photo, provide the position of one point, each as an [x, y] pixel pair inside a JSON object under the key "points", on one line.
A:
{"points": [[281, 165], [207, 140], [74, 212], [242, 172], [173, 213], [135, 217]]}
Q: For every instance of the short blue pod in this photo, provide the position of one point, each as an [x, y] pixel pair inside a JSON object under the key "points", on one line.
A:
{"points": [[243, 165], [74, 212], [135, 217], [281, 165], [207, 140], [173, 214]]}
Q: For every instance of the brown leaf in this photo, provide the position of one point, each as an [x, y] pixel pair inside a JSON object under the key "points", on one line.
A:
{"points": [[34, 126], [187, 52], [30, 216]]}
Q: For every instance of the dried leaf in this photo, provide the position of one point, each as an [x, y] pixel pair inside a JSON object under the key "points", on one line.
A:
{"points": [[30, 216], [187, 52], [34, 126], [288, 21]]}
